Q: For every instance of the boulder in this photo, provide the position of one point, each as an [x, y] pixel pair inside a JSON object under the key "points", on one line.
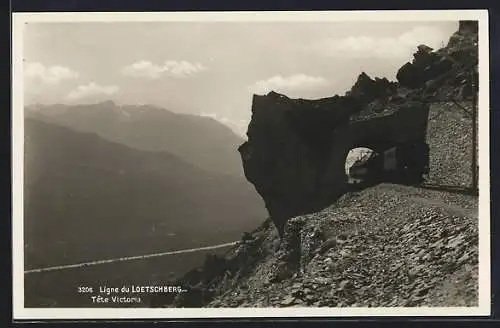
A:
{"points": [[409, 76], [426, 65]]}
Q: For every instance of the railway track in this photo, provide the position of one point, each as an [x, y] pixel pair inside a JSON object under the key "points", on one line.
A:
{"points": [[353, 186], [449, 188]]}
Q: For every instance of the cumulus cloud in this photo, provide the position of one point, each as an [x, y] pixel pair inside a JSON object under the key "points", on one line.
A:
{"points": [[92, 91], [400, 46], [147, 69], [289, 84], [37, 72]]}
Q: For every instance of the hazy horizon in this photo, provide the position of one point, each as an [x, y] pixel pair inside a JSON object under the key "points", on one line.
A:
{"points": [[213, 68]]}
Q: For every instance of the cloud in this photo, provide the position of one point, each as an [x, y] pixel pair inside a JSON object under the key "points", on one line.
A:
{"points": [[238, 126], [211, 115], [37, 72], [146, 69], [219, 118], [400, 46], [92, 91], [289, 84]]}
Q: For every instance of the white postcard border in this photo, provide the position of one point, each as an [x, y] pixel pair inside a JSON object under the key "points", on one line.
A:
{"points": [[20, 19]]}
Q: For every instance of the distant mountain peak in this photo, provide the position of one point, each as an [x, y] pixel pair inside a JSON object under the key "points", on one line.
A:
{"points": [[201, 141]]}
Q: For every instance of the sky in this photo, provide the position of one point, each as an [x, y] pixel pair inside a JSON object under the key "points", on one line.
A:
{"points": [[213, 68]]}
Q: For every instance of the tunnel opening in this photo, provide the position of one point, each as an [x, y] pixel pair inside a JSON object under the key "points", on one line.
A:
{"points": [[400, 163], [359, 165]]}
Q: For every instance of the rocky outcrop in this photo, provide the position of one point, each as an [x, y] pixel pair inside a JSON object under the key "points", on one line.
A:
{"points": [[426, 65], [366, 89], [446, 72], [296, 148]]}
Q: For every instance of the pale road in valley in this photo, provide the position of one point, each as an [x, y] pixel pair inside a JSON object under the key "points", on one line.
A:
{"points": [[129, 258]]}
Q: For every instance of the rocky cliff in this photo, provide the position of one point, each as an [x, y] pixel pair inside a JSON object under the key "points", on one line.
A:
{"points": [[386, 245], [296, 148]]}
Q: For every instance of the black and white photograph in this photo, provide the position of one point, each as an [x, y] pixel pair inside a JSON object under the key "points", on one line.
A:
{"points": [[250, 164]]}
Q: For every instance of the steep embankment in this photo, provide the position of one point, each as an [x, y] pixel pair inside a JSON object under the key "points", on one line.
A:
{"points": [[449, 135]]}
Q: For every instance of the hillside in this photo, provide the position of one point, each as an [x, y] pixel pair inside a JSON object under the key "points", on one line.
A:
{"points": [[200, 141], [385, 245], [87, 198]]}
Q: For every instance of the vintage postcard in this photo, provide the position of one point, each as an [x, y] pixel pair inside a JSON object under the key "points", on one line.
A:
{"points": [[250, 164]]}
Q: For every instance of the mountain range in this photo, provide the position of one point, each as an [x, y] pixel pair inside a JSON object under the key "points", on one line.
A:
{"points": [[201, 141], [92, 195]]}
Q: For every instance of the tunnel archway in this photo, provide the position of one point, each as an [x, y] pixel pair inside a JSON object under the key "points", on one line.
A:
{"points": [[357, 163], [369, 163], [366, 157]]}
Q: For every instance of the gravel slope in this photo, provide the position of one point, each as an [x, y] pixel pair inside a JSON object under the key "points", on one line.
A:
{"points": [[388, 245]]}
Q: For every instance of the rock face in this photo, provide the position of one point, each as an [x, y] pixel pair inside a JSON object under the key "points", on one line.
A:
{"points": [[296, 149]]}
